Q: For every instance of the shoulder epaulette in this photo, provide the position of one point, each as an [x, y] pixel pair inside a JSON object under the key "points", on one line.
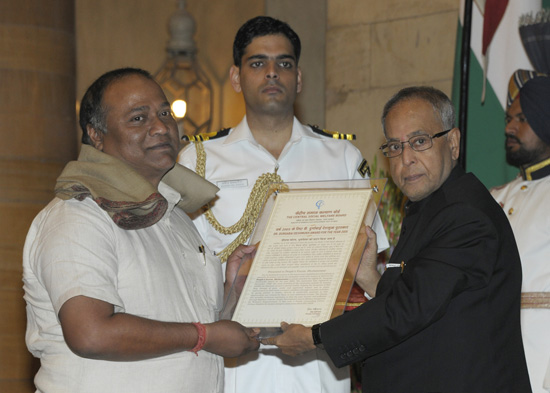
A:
{"points": [[332, 134], [206, 135]]}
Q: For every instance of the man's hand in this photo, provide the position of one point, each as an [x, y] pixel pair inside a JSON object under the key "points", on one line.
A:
{"points": [[295, 340], [93, 330], [240, 258], [367, 276], [230, 339]]}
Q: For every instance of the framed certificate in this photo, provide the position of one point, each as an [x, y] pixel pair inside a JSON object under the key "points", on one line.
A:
{"points": [[311, 238]]}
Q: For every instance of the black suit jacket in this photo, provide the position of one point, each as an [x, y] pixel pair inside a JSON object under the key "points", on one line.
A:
{"points": [[450, 321]]}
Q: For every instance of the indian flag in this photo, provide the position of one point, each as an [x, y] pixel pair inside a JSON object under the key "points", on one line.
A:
{"points": [[495, 41]]}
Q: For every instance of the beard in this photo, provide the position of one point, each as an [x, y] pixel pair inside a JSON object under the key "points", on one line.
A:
{"points": [[522, 156]]}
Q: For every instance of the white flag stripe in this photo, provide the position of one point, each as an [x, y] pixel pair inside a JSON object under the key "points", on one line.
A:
{"points": [[506, 52]]}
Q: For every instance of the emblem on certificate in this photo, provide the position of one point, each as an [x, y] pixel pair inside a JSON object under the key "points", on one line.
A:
{"points": [[311, 238]]}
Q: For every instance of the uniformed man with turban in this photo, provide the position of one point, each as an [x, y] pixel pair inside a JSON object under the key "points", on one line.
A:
{"points": [[525, 200]]}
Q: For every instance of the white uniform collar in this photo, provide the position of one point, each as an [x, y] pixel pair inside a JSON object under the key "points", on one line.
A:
{"points": [[242, 132]]}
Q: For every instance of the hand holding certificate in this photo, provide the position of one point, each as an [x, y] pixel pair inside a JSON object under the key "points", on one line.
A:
{"points": [[306, 261], [297, 339]]}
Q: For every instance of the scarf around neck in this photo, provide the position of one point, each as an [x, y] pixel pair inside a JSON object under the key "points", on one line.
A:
{"points": [[129, 199]]}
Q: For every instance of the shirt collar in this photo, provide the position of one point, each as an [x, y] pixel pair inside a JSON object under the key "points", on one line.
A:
{"points": [[536, 171], [171, 195], [414, 207], [242, 133]]}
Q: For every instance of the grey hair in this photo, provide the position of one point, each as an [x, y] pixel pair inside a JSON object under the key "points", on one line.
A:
{"points": [[441, 104]]}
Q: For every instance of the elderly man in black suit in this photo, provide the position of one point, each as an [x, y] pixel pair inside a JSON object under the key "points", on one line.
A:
{"points": [[445, 314]]}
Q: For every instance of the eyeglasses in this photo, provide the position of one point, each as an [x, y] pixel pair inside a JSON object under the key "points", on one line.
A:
{"points": [[417, 143]]}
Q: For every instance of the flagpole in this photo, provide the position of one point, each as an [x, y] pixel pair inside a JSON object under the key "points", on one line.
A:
{"points": [[464, 80]]}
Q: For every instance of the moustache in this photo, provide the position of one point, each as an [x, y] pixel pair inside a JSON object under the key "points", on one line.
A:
{"points": [[273, 83], [513, 138]]}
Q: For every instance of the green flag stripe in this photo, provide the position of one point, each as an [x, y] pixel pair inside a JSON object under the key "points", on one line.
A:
{"points": [[485, 155]]}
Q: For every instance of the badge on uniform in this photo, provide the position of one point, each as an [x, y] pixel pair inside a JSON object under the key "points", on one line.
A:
{"points": [[364, 168]]}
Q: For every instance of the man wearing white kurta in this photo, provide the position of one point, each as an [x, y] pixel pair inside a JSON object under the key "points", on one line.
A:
{"points": [[122, 295], [270, 139], [525, 202]]}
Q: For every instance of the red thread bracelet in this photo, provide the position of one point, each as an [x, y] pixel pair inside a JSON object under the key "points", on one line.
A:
{"points": [[201, 330]]}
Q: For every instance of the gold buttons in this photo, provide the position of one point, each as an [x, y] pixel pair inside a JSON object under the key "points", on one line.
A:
{"points": [[510, 211]]}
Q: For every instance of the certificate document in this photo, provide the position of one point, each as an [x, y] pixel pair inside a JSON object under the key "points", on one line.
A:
{"points": [[303, 257]]}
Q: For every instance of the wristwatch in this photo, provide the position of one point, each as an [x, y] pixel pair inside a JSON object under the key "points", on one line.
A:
{"points": [[316, 334]]}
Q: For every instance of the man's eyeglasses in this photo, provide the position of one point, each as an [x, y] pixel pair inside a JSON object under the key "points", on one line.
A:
{"points": [[417, 143]]}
